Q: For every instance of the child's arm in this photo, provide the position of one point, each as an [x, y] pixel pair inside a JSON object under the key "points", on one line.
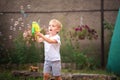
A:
{"points": [[49, 40], [40, 40]]}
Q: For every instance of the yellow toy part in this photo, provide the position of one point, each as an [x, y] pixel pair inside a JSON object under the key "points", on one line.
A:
{"points": [[35, 29]]}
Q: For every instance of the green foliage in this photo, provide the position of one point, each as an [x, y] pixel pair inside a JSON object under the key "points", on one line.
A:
{"points": [[84, 31], [9, 76], [22, 53], [80, 60], [6, 76], [70, 52], [4, 55], [108, 26]]}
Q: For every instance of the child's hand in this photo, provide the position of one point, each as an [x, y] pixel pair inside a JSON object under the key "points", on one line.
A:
{"points": [[39, 34], [39, 40]]}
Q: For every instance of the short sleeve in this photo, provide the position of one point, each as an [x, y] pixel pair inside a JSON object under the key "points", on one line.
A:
{"points": [[57, 37]]}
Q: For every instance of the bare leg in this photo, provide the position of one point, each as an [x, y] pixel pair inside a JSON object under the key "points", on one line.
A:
{"points": [[46, 76], [58, 78]]}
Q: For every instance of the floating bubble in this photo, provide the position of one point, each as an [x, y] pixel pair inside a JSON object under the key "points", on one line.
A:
{"points": [[20, 19], [21, 7], [16, 23], [20, 28], [81, 20], [14, 29], [11, 27], [39, 21], [11, 19], [44, 26], [22, 11], [1, 13], [25, 15], [22, 24], [28, 6], [10, 36], [28, 25]]}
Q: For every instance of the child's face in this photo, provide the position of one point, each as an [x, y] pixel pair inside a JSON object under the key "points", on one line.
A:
{"points": [[53, 27]]}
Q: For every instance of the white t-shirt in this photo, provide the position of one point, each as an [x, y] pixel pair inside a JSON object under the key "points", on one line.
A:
{"points": [[52, 50]]}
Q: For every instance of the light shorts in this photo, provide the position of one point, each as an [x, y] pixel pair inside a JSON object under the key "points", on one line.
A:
{"points": [[52, 67]]}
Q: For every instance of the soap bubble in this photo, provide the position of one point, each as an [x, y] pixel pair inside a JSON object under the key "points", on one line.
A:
{"points": [[16, 23], [10, 36], [39, 21], [28, 24], [21, 7], [11, 19], [11, 27], [20, 28], [28, 6], [20, 19], [1, 13], [23, 13], [14, 29], [22, 24]]}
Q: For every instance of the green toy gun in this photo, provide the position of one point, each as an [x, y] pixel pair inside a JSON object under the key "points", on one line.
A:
{"points": [[35, 29]]}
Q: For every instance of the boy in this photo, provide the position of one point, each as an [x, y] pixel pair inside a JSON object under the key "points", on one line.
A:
{"points": [[52, 50]]}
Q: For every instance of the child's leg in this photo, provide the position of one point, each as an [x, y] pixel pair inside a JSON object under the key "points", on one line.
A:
{"points": [[46, 76], [56, 69], [47, 70], [58, 78]]}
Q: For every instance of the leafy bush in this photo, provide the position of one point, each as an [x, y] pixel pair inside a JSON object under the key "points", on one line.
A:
{"points": [[70, 52], [108, 26], [9, 76], [84, 31], [4, 55], [23, 53]]}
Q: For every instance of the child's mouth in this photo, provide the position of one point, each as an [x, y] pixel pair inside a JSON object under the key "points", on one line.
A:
{"points": [[50, 29]]}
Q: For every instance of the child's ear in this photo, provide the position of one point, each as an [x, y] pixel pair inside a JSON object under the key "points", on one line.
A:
{"points": [[58, 29]]}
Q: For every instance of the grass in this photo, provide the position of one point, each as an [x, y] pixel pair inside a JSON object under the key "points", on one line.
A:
{"points": [[87, 71], [6, 75]]}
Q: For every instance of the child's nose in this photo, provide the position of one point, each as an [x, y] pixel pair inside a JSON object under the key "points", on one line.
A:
{"points": [[49, 28]]}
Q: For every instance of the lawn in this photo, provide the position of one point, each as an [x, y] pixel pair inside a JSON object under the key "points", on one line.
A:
{"points": [[7, 75]]}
